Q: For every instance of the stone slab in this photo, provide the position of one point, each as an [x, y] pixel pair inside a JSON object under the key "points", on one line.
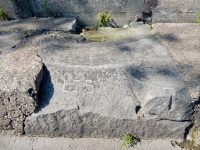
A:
{"points": [[176, 11], [108, 89], [63, 24], [183, 43]]}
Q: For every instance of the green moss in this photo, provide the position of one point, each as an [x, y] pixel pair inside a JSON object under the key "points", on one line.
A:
{"points": [[199, 18]]}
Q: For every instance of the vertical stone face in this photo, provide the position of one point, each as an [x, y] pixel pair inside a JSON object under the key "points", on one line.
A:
{"points": [[86, 10], [20, 77], [122, 11], [149, 6]]}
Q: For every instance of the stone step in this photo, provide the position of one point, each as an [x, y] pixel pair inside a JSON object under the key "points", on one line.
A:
{"points": [[107, 89], [60, 24]]}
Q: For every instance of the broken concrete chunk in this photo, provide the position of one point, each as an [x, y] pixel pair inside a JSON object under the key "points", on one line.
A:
{"points": [[20, 77]]}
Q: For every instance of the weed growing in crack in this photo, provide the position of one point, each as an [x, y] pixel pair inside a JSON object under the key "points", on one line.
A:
{"points": [[129, 140], [25, 32], [103, 17], [3, 15]]}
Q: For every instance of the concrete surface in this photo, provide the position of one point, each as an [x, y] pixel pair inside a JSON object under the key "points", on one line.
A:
{"points": [[10, 142]]}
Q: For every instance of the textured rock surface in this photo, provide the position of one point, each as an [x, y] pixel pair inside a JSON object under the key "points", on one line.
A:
{"points": [[108, 89], [9, 40], [179, 11], [10, 8], [64, 24], [20, 76], [183, 43]]}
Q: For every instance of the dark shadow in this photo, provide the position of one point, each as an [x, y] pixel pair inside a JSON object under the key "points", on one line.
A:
{"points": [[124, 48], [46, 90], [147, 10], [137, 73], [187, 130], [112, 23], [171, 72], [169, 37]]}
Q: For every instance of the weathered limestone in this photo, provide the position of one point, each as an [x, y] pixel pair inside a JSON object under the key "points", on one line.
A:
{"points": [[20, 77], [108, 89]]}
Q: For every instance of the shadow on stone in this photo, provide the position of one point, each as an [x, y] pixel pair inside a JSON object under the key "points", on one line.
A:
{"points": [[46, 90], [169, 37]]}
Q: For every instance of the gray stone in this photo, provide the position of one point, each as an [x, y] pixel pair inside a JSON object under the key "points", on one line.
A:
{"points": [[10, 8], [64, 24], [86, 11], [176, 11], [134, 24], [122, 12], [149, 6], [108, 89], [9, 40], [20, 77], [8, 141], [182, 41]]}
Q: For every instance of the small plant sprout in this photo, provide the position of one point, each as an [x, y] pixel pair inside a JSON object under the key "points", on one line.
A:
{"points": [[127, 140], [25, 32], [3, 15], [103, 17], [199, 18]]}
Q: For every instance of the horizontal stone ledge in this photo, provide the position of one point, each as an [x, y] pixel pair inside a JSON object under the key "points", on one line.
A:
{"points": [[60, 24]]}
